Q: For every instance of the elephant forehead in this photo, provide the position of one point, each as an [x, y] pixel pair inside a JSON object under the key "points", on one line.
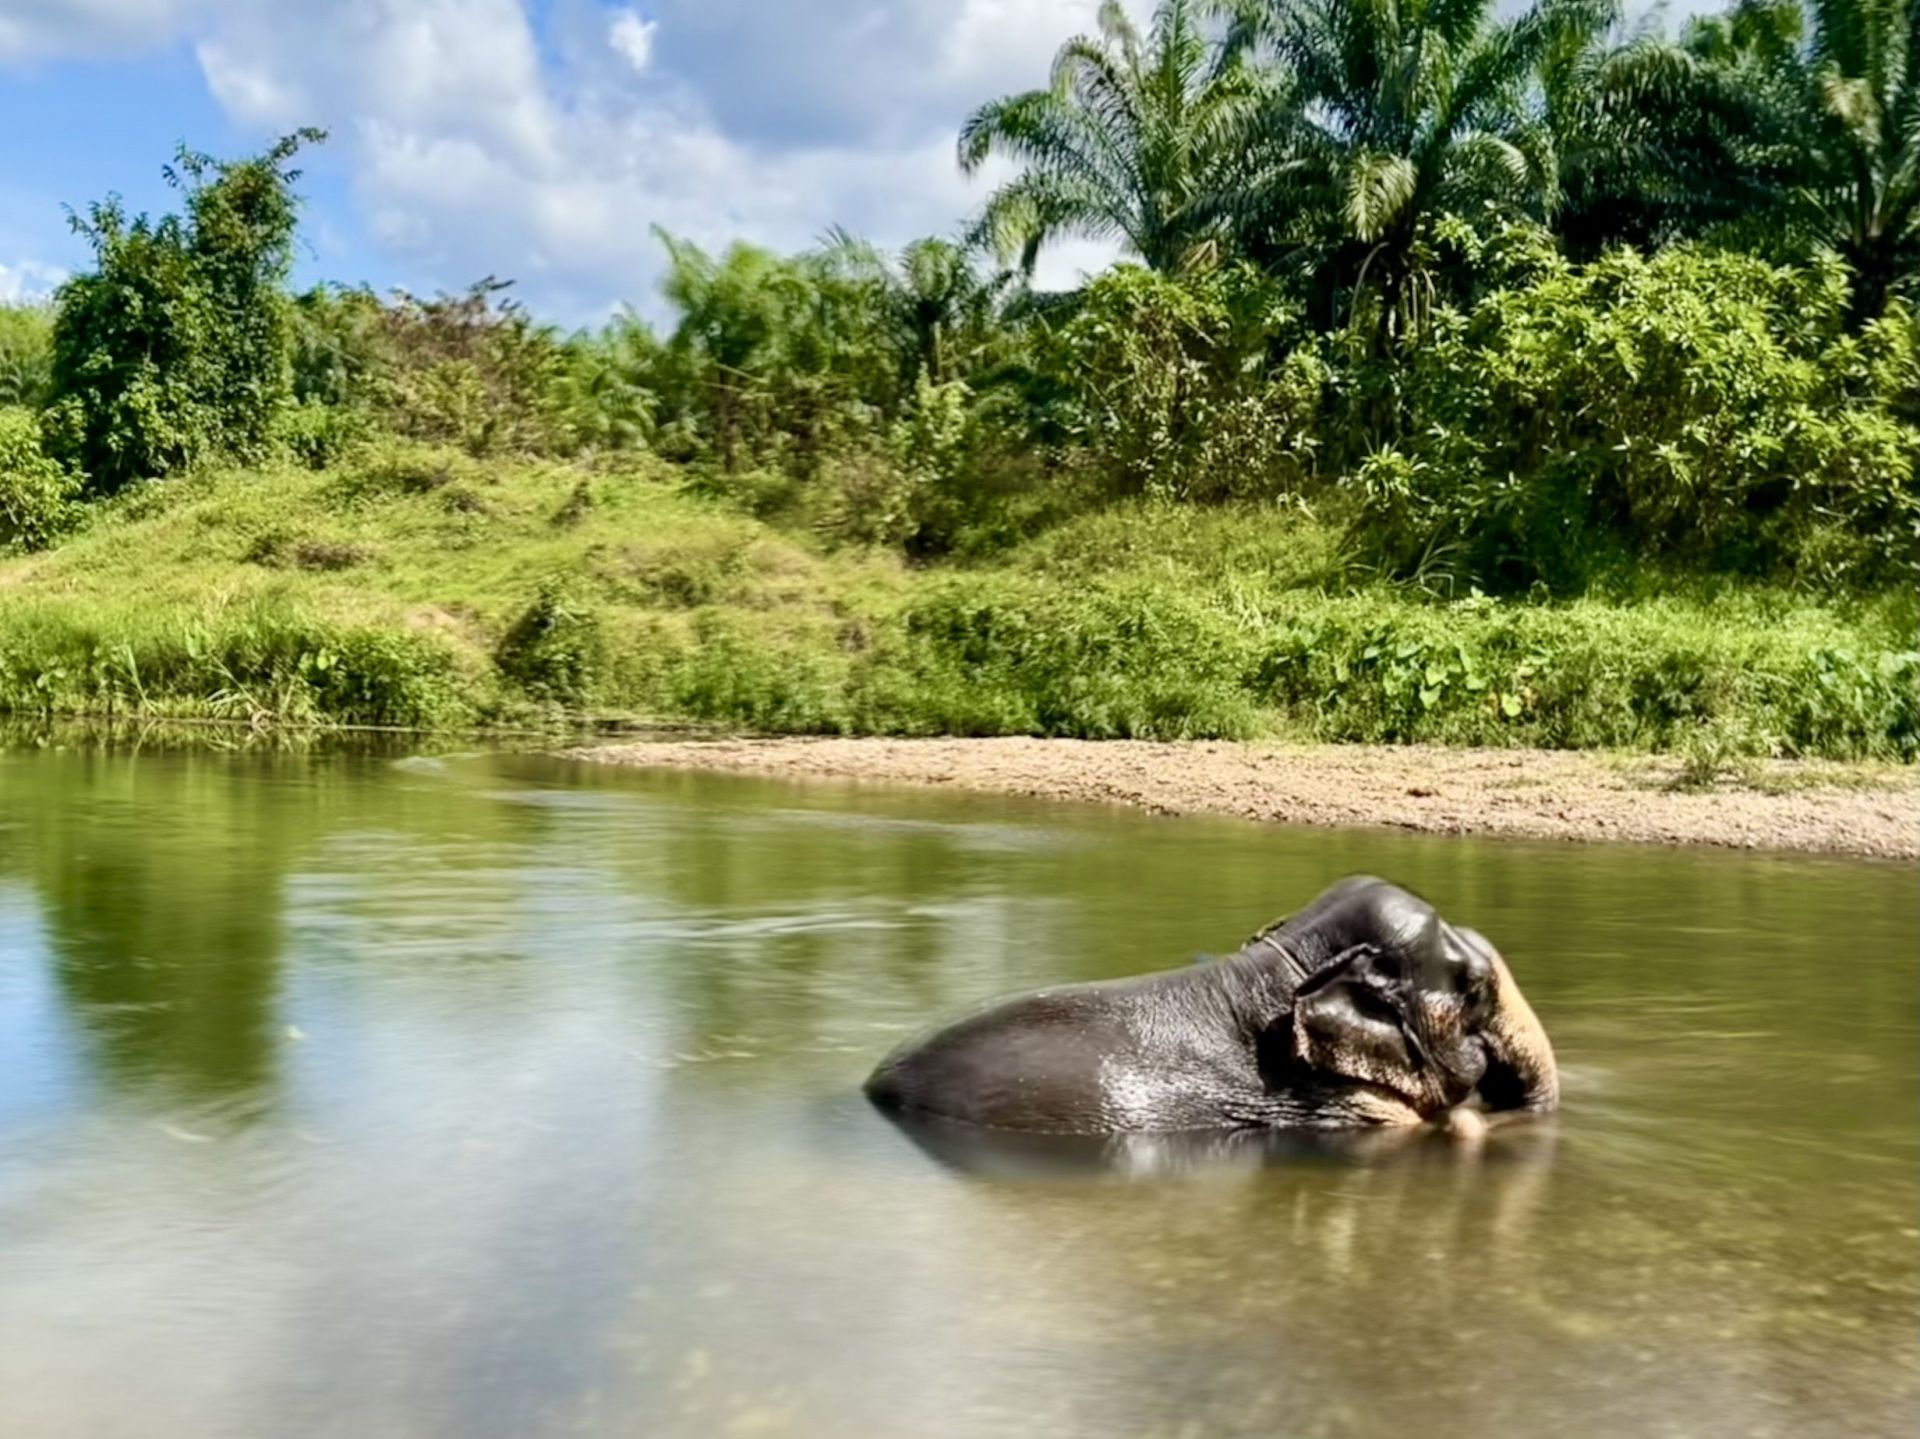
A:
{"points": [[1402, 919]]}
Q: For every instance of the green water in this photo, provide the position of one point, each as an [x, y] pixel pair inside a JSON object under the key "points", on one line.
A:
{"points": [[487, 1096]]}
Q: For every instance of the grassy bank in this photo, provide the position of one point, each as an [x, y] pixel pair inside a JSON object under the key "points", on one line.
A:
{"points": [[415, 587]]}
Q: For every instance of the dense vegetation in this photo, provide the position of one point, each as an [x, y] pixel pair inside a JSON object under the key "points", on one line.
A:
{"points": [[1484, 380]]}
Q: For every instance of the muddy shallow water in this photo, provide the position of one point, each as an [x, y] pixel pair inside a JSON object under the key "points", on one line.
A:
{"points": [[492, 1096]]}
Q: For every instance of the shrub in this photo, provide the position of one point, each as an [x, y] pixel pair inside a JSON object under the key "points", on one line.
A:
{"points": [[26, 354], [1198, 388], [472, 371], [1708, 410], [318, 435], [774, 361], [389, 467], [869, 498], [782, 685], [1107, 659], [334, 347], [553, 650], [1645, 676], [275, 549], [37, 503], [602, 397]]}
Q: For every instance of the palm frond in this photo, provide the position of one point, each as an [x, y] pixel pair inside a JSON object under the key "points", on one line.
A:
{"points": [[1378, 188]]}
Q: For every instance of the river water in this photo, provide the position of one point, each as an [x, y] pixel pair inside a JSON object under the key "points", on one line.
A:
{"points": [[491, 1096]]}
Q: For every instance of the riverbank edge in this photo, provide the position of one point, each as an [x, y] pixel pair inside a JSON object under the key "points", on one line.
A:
{"points": [[1798, 806]]}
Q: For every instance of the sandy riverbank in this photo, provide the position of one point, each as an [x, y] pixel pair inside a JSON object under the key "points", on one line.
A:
{"points": [[1540, 794]]}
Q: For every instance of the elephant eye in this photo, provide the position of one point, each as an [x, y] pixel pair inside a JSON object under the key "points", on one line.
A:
{"points": [[1371, 1004]]}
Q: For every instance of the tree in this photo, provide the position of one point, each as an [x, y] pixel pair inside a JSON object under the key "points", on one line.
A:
{"points": [[1782, 129], [606, 399], [1661, 142], [36, 494], [774, 352], [473, 369], [936, 312], [174, 347], [1390, 114], [941, 305], [26, 352], [1137, 138], [1861, 85]]}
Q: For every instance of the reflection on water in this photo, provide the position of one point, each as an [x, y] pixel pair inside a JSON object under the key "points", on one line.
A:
{"points": [[477, 1096]]}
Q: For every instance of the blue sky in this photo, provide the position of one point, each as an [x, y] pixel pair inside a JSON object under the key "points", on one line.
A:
{"points": [[533, 139]]}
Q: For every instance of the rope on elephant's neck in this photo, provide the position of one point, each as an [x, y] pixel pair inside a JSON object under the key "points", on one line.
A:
{"points": [[1296, 971]]}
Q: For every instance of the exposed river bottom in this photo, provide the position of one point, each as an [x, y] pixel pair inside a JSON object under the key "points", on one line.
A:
{"points": [[1541, 794]]}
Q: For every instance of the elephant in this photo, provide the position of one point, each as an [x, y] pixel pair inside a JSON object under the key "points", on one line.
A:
{"points": [[1364, 1009]]}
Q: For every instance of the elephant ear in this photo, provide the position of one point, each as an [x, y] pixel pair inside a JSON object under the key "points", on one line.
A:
{"points": [[1521, 1073], [1345, 1023]]}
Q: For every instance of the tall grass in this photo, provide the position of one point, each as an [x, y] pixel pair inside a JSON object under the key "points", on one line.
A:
{"points": [[260, 664]]}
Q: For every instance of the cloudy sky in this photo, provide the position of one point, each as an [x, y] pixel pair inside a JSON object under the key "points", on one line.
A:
{"points": [[533, 139], [536, 139]]}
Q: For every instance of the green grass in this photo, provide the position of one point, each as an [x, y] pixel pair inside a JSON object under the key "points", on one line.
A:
{"points": [[414, 587]]}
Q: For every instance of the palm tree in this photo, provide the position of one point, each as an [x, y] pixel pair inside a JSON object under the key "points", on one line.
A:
{"points": [[1393, 113], [1612, 189], [1799, 125], [739, 319], [1668, 140], [940, 303], [932, 302], [1137, 138], [1865, 171]]}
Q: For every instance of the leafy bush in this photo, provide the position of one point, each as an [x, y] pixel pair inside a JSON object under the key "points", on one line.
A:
{"points": [[334, 346], [1589, 675], [553, 651], [1708, 409], [602, 397], [37, 503], [174, 346], [1201, 388], [777, 684], [26, 354], [910, 490], [774, 360], [471, 370], [1106, 659], [318, 435], [388, 467], [276, 549]]}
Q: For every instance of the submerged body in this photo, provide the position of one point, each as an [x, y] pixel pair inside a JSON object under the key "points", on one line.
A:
{"points": [[1365, 1008]]}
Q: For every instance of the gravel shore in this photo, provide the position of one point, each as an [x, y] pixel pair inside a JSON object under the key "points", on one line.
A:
{"points": [[1780, 805]]}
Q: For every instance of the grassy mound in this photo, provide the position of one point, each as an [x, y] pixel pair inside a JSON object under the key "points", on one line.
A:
{"points": [[412, 586]]}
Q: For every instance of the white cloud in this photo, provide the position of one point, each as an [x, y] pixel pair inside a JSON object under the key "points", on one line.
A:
{"points": [[999, 45], [28, 280], [1065, 263], [632, 37], [41, 29]]}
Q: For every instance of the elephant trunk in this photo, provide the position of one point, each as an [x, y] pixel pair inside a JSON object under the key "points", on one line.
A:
{"points": [[1520, 1073]]}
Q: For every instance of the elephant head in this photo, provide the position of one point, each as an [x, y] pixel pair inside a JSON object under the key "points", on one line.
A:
{"points": [[1420, 1011]]}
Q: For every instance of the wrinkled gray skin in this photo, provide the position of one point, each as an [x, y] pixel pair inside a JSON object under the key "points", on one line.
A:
{"points": [[1364, 1008]]}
